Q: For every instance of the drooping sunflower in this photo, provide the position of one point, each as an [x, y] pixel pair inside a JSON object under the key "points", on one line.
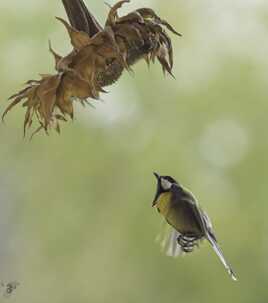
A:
{"points": [[99, 56]]}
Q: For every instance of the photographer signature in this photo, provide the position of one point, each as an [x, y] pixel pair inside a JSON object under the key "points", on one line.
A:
{"points": [[7, 289]]}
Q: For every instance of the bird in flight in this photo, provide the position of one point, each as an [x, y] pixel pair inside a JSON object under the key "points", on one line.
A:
{"points": [[190, 224]]}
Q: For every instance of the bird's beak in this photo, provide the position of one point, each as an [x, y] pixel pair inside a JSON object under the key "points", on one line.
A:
{"points": [[157, 176], [158, 189]]}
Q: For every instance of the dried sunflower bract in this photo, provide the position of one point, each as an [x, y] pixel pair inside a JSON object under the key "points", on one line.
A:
{"points": [[98, 58]]}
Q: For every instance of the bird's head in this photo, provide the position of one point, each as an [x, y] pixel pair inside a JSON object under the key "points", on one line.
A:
{"points": [[164, 184]]}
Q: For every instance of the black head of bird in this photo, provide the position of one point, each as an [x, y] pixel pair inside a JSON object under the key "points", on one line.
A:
{"points": [[190, 224], [164, 184]]}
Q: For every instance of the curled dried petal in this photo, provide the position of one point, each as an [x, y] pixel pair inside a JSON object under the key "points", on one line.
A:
{"points": [[168, 26], [147, 13], [79, 39], [57, 57], [112, 16], [167, 41], [13, 103], [131, 18]]}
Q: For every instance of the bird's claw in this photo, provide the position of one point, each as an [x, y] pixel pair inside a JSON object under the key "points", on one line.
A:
{"points": [[187, 242]]}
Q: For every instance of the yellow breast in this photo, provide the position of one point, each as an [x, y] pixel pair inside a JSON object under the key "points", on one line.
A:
{"points": [[176, 217], [163, 203]]}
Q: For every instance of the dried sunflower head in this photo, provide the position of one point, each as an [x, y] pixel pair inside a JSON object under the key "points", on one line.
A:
{"points": [[99, 56]]}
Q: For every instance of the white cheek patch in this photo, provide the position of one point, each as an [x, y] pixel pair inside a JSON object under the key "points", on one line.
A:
{"points": [[165, 184]]}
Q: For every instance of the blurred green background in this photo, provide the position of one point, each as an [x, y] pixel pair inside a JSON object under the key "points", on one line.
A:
{"points": [[75, 214]]}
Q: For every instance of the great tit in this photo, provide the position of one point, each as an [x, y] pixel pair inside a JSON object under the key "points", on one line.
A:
{"points": [[190, 224]]}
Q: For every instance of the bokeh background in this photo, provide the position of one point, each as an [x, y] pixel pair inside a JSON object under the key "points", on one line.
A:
{"points": [[76, 223]]}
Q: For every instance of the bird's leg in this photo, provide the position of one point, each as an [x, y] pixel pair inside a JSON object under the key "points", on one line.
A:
{"points": [[187, 242]]}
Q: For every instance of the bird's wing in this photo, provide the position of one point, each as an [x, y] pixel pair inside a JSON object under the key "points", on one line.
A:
{"points": [[201, 217], [219, 253], [167, 238], [210, 235], [173, 249], [189, 199], [206, 226], [214, 243], [80, 17]]}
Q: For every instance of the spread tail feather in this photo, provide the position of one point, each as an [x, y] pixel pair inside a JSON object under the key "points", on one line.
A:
{"points": [[219, 253]]}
